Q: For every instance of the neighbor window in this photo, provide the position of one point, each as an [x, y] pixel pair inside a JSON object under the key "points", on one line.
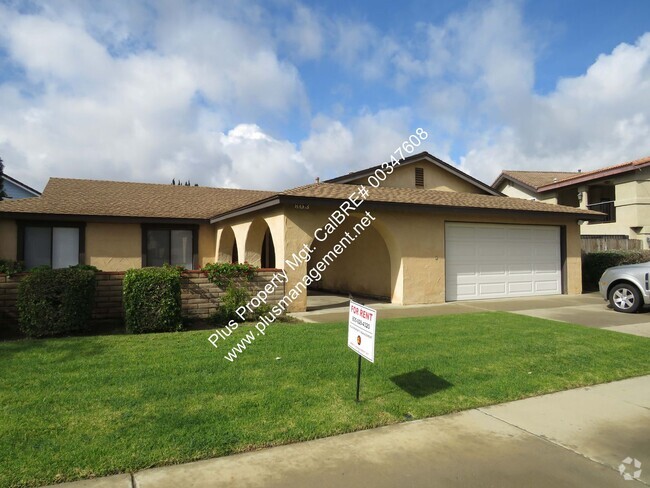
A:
{"points": [[169, 245], [51, 245]]}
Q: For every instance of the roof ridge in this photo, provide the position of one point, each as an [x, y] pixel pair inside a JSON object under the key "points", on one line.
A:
{"points": [[90, 180]]}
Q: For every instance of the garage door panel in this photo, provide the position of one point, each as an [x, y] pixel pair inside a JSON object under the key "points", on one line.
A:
{"points": [[467, 292], [491, 289], [491, 269], [521, 269], [495, 260], [520, 287], [547, 286]]}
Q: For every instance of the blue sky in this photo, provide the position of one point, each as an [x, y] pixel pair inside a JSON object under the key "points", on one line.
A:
{"points": [[272, 94]]}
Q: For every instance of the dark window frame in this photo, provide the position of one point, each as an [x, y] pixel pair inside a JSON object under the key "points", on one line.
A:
{"points": [[51, 224], [169, 227]]}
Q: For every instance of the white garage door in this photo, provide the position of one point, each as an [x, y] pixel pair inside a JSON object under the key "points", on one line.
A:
{"points": [[496, 261]]}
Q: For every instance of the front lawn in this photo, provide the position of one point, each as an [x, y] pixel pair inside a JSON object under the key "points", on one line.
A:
{"points": [[91, 406]]}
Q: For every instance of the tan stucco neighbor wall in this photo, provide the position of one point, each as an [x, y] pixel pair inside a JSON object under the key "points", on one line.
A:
{"points": [[8, 239], [435, 178], [113, 247]]}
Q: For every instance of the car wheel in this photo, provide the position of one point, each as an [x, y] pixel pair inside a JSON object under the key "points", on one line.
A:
{"points": [[625, 298]]}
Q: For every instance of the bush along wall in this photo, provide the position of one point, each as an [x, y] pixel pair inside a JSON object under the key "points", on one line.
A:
{"points": [[152, 299], [234, 279], [55, 301], [594, 264]]}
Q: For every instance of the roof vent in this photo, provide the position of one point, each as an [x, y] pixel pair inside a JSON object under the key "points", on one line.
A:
{"points": [[317, 180], [579, 171]]}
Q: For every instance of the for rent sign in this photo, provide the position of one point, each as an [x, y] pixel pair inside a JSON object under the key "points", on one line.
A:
{"points": [[361, 330]]}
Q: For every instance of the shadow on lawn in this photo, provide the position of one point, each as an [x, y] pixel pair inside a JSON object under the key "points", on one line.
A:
{"points": [[420, 383]]}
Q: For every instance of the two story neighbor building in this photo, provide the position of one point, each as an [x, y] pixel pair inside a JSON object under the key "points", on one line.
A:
{"points": [[621, 192]]}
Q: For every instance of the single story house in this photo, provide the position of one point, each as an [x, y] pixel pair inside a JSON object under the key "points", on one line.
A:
{"points": [[621, 192], [428, 233], [15, 189]]}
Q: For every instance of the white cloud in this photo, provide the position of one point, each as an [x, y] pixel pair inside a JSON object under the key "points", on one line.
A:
{"points": [[597, 119], [155, 91]]}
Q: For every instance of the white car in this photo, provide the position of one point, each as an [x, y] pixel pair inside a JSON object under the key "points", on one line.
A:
{"points": [[626, 287]]}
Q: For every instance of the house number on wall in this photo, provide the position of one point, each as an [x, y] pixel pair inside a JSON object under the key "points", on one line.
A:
{"points": [[301, 206]]}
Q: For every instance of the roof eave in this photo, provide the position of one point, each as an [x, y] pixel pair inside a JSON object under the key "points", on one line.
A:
{"points": [[22, 185], [589, 215], [100, 218], [593, 177], [505, 176]]}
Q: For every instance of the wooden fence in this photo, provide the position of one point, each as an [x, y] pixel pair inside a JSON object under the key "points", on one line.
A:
{"points": [[609, 243]]}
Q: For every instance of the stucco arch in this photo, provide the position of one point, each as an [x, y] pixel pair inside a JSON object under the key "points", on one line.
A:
{"points": [[369, 266], [260, 249], [227, 251]]}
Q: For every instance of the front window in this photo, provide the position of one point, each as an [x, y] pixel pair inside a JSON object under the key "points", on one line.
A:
{"points": [[175, 246], [55, 246]]}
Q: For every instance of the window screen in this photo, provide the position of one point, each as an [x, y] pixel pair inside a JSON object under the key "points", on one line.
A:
{"points": [[182, 248], [65, 247], [38, 246], [157, 247]]}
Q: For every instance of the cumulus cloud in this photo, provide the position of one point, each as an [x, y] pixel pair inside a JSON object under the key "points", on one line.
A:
{"points": [[593, 120], [74, 108], [204, 90]]}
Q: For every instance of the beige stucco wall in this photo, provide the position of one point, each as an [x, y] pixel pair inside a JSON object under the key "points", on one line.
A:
{"points": [[435, 178], [207, 244], [364, 267], [8, 239], [514, 190], [113, 247], [416, 247]]}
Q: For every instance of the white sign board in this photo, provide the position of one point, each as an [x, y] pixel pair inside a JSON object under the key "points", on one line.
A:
{"points": [[361, 330]]}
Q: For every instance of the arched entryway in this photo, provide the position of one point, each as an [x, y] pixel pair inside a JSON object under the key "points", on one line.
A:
{"points": [[260, 247], [362, 269], [227, 252]]}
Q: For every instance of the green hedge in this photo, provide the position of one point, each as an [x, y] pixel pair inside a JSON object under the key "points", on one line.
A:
{"points": [[152, 299], [594, 264], [10, 267], [55, 301]]}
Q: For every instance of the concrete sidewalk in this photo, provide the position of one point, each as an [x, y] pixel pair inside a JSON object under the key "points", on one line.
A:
{"points": [[575, 438], [588, 309]]}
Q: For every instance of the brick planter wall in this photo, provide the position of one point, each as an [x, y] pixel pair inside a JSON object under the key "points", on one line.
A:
{"points": [[199, 297]]}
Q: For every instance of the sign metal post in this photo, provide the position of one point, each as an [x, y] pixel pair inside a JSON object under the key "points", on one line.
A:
{"points": [[362, 323]]}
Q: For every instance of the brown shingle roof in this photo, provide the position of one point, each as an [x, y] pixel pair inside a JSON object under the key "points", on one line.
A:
{"points": [[535, 179], [549, 180], [69, 197], [413, 196], [600, 173]]}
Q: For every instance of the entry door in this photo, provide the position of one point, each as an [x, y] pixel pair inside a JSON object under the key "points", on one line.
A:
{"points": [[495, 261]]}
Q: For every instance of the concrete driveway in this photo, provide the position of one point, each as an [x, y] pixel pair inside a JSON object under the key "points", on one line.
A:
{"points": [[588, 309]]}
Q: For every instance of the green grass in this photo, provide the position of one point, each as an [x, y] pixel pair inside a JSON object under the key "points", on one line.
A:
{"points": [[90, 406]]}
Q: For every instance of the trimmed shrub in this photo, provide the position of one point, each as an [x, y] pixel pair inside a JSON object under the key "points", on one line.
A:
{"points": [[152, 299], [10, 267], [594, 264], [235, 297], [225, 274], [55, 301]]}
